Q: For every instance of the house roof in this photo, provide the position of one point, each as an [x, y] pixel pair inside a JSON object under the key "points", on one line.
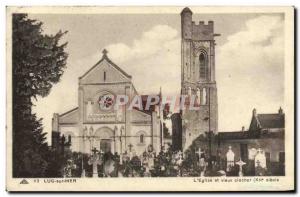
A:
{"points": [[234, 135], [238, 135], [271, 120], [105, 57]]}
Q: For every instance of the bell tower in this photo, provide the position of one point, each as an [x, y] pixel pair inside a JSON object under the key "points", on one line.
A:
{"points": [[198, 77]]}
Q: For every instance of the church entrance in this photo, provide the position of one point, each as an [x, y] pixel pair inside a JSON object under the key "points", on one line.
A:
{"points": [[105, 145]]}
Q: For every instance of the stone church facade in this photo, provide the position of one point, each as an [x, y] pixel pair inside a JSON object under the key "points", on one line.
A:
{"points": [[198, 77], [112, 130]]}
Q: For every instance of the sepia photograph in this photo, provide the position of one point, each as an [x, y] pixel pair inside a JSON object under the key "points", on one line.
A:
{"points": [[150, 99]]}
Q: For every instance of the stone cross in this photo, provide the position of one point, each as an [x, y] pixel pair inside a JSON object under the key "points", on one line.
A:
{"points": [[240, 163], [95, 160], [130, 147], [130, 151], [199, 152]]}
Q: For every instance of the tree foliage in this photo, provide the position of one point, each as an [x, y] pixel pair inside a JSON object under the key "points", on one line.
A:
{"points": [[38, 62]]}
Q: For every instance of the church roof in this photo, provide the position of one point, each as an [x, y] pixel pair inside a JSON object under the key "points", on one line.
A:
{"points": [[271, 120], [69, 117], [105, 57]]}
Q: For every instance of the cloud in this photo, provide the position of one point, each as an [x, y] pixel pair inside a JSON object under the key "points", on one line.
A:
{"points": [[153, 60], [250, 71]]}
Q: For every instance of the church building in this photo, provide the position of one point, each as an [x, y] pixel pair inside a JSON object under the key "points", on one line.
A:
{"points": [[95, 123]]}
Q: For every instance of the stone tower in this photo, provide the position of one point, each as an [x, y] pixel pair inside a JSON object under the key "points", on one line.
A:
{"points": [[198, 77]]}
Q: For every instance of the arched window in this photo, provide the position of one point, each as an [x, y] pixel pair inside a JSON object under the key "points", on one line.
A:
{"points": [[204, 96], [142, 138], [203, 66], [198, 96], [104, 75], [189, 91]]}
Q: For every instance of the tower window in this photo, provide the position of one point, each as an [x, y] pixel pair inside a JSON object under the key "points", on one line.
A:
{"points": [[204, 96], [142, 138], [203, 66], [104, 75]]}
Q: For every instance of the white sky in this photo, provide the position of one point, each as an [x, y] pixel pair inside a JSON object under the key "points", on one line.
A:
{"points": [[249, 59]]}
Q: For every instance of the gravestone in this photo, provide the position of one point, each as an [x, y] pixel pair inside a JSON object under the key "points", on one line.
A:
{"points": [[95, 160], [240, 163], [202, 162], [230, 159], [260, 163]]}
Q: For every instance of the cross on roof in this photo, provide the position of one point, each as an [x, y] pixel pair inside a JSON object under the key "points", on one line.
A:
{"points": [[104, 52]]}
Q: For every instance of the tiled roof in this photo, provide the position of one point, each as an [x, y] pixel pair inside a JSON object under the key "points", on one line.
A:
{"points": [[271, 120]]}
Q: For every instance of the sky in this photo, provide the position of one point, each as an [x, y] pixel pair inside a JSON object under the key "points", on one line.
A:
{"points": [[249, 59]]}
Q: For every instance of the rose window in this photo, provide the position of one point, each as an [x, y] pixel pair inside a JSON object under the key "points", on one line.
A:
{"points": [[106, 101]]}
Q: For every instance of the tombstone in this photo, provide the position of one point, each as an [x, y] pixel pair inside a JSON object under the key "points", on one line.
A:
{"points": [[244, 152], [281, 166], [268, 160], [202, 162], [68, 169], [240, 163], [95, 160], [250, 166], [260, 163], [230, 159], [151, 161], [179, 163], [260, 159]]}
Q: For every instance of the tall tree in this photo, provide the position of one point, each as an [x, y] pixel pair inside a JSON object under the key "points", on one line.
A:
{"points": [[38, 62]]}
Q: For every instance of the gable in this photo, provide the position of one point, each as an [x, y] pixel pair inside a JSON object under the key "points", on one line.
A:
{"points": [[70, 117], [105, 71], [254, 125]]}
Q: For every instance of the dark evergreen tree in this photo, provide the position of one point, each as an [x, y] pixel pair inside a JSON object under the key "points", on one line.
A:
{"points": [[38, 61]]}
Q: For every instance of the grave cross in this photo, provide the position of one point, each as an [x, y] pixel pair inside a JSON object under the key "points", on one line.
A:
{"points": [[199, 152], [130, 147], [94, 150], [94, 161], [240, 163]]}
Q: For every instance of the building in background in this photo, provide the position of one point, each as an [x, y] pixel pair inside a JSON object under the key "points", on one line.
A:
{"points": [[266, 132]]}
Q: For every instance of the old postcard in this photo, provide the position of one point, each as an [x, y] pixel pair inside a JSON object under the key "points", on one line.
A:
{"points": [[150, 99]]}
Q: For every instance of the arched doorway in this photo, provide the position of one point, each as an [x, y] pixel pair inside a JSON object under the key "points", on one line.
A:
{"points": [[104, 140], [105, 145]]}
